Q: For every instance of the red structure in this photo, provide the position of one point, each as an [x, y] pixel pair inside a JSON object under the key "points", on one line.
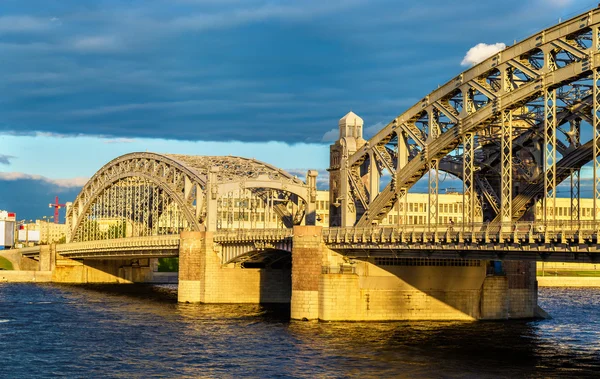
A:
{"points": [[56, 207]]}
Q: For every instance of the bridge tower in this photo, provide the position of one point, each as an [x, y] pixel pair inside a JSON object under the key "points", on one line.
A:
{"points": [[342, 208]]}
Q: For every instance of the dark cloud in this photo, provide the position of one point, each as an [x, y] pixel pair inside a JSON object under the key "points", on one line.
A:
{"points": [[29, 198], [251, 70], [5, 159]]}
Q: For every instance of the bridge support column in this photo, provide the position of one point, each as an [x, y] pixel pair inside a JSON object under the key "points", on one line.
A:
{"points": [[204, 279], [192, 261], [307, 262], [47, 257]]}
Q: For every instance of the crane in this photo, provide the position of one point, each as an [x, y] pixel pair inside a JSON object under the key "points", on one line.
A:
{"points": [[56, 207]]}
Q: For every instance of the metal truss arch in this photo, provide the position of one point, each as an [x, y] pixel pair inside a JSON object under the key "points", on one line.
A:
{"points": [[472, 103], [182, 178]]}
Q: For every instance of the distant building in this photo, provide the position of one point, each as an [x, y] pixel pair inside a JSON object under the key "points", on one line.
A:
{"points": [[41, 232], [7, 229], [51, 232]]}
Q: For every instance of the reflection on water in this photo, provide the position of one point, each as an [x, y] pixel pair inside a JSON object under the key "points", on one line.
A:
{"points": [[125, 331]]}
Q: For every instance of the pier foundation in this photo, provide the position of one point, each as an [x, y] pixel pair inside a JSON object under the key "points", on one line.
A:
{"points": [[330, 287]]}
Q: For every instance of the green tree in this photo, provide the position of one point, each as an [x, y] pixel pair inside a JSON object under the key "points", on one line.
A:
{"points": [[168, 264], [117, 230], [5, 264]]}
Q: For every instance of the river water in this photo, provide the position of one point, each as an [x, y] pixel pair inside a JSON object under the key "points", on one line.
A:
{"points": [[136, 331]]}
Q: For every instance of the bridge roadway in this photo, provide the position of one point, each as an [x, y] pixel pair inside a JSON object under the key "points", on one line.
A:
{"points": [[523, 241]]}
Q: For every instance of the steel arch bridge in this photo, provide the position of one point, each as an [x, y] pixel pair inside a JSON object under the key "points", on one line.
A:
{"points": [[512, 128], [149, 194]]}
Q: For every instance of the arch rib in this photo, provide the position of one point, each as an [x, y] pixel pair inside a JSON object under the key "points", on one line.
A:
{"points": [[511, 95]]}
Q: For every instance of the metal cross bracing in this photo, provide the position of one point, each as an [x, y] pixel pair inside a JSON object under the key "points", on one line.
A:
{"points": [[147, 194], [509, 127]]}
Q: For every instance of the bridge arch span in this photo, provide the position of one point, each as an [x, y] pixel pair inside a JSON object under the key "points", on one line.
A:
{"points": [[532, 87], [142, 194]]}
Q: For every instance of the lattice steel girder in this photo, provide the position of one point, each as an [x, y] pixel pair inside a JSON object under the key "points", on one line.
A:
{"points": [[575, 195], [374, 172], [596, 142], [506, 167], [468, 178], [549, 154], [531, 85], [434, 167]]}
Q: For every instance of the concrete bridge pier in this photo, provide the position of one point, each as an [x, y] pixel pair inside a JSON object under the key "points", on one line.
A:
{"points": [[330, 287], [192, 264], [203, 279]]}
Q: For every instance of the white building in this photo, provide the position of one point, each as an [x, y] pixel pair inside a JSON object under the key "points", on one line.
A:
{"points": [[7, 229]]}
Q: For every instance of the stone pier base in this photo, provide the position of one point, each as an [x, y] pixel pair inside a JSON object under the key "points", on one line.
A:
{"points": [[202, 278], [329, 287]]}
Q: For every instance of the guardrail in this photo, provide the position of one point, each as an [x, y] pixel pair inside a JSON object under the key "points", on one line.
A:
{"points": [[557, 231], [245, 235], [119, 245]]}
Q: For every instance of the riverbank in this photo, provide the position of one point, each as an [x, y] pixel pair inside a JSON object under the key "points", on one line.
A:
{"points": [[568, 281], [16, 276], [13, 276]]}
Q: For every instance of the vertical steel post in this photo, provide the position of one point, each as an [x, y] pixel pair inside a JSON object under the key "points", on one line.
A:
{"points": [[433, 165], [468, 180], [596, 149], [575, 175], [506, 170], [549, 155], [575, 195]]}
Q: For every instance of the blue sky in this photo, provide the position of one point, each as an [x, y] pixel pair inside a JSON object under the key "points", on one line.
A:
{"points": [[86, 81]]}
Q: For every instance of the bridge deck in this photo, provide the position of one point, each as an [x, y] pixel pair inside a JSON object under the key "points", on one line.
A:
{"points": [[560, 242]]}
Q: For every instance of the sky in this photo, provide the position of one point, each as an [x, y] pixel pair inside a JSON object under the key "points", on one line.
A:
{"points": [[86, 81]]}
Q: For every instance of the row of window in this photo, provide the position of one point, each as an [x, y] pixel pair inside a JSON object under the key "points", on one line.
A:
{"points": [[422, 220], [427, 262], [322, 205], [565, 211], [247, 216], [423, 207]]}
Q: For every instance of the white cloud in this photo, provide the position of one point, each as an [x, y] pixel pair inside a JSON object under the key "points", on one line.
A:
{"points": [[65, 183], [119, 140], [558, 3], [15, 24], [96, 43], [331, 135], [481, 52], [236, 16]]}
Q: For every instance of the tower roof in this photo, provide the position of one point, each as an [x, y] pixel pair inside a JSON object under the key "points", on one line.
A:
{"points": [[351, 118]]}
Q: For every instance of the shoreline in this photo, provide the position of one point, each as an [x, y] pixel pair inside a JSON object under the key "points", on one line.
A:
{"points": [[568, 281]]}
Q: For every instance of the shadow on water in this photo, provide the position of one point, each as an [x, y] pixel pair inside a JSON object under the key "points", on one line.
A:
{"points": [[165, 297], [125, 331]]}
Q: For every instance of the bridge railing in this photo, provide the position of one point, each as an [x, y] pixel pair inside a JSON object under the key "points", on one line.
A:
{"points": [[241, 235], [562, 231], [120, 244]]}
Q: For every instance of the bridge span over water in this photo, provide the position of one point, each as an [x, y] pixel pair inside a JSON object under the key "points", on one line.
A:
{"points": [[512, 128]]}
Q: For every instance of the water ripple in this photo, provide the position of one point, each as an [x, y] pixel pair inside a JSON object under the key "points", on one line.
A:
{"points": [[132, 331]]}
